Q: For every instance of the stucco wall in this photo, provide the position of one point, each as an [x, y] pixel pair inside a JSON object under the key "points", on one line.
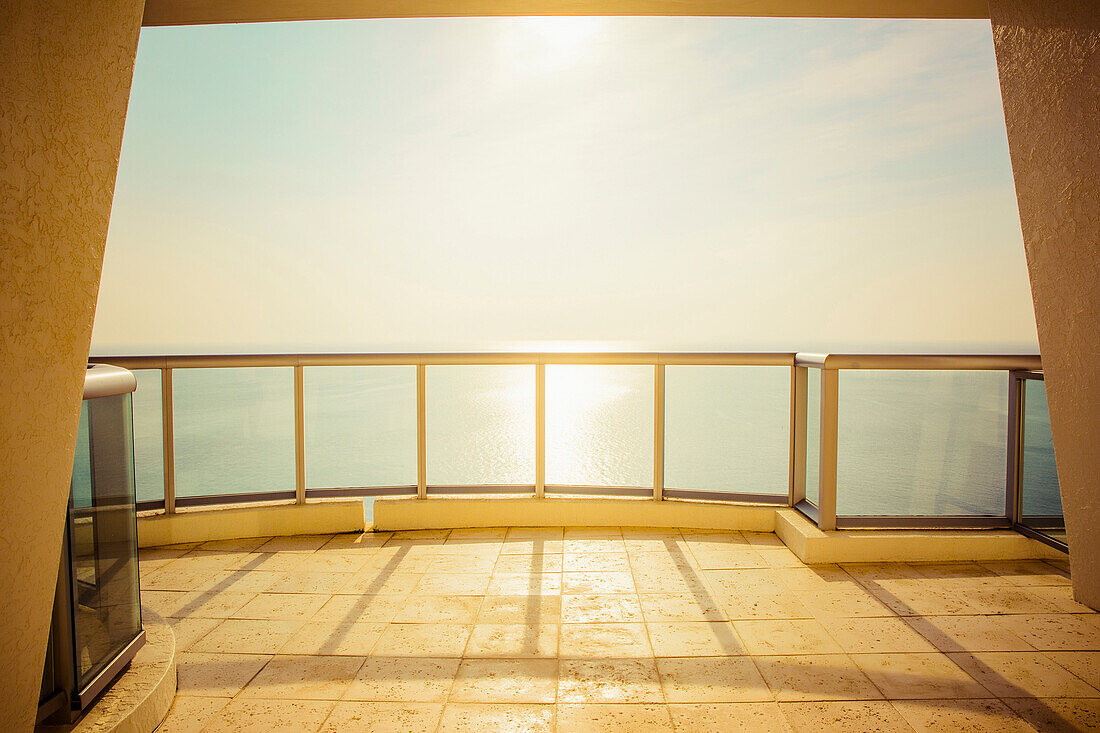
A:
{"points": [[1050, 76], [65, 71]]}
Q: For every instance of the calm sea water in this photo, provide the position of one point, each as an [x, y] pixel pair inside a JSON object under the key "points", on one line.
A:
{"points": [[910, 442]]}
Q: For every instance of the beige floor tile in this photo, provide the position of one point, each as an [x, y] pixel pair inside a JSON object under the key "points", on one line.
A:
{"points": [[604, 641], [433, 536], [919, 676], [352, 609], [1060, 597], [530, 610], [842, 601], [816, 677], [750, 605], [609, 562], [584, 609], [663, 582], [453, 584], [1023, 674], [403, 679], [477, 534], [815, 577], [309, 582], [1028, 573], [712, 679], [296, 543], [669, 545], [694, 639], [401, 560], [383, 717], [1085, 665], [527, 564], [921, 597], [592, 533], [506, 680], [216, 675], [593, 681], [480, 564], [513, 641], [192, 604], [331, 561], [525, 584], [593, 583], [247, 636], [366, 542], [190, 714], [1008, 599], [794, 636], [1057, 715], [1061, 632], [282, 606], [244, 715], [953, 570], [532, 546], [288, 677], [330, 638], [428, 609], [961, 716], [593, 546], [728, 558], [743, 717], [870, 635], [483, 717], [779, 557], [373, 582], [736, 582], [278, 562], [611, 718], [967, 634], [657, 563], [190, 630], [869, 573], [422, 640], [670, 607], [844, 716]]}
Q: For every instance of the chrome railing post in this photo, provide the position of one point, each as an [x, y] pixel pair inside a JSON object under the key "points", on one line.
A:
{"points": [[168, 435], [421, 433], [540, 428], [826, 505], [659, 430], [796, 490], [1015, 444], [299, 435]]}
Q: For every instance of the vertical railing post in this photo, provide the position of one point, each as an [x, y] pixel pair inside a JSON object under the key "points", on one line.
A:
{"points": [[299, 435], [168, 435], [658, 431], [421, 433], [540, 429], [826, 504], [1015, 443], [796, 489]]}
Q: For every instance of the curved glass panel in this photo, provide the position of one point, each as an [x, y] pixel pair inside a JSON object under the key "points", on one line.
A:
{"points": [[727, 428], [234, 430], [922, 443], [1040, 499], [360, 426], [599, 425]]}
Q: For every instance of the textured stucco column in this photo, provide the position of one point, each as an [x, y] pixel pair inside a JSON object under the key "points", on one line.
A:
{"points": [[1050, 76], [65, 72]]}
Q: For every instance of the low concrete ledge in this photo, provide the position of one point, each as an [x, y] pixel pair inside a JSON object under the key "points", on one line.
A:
{"points": [[139, 700], [911, 545], [400, 513], [263, 520]]}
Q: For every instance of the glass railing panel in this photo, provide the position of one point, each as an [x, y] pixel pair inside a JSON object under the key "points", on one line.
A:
{"points": [[1040, 500], [480, 424], [148, 436], [234, 430], [727, 428], [82, 462], [599, 425], [813, 434], [360, 426], [922, 443]]}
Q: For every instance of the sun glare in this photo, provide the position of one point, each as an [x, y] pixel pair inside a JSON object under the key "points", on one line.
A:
{"points": [[552, 43]]}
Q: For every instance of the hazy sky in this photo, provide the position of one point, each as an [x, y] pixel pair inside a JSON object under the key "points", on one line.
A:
{"points": [[591, 183]]}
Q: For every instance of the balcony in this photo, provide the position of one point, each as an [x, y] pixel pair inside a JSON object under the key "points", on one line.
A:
{"points": [[774, 585]]}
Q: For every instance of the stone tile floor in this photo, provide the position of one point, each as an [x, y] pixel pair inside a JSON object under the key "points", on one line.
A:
{"points": [[639, 630]]}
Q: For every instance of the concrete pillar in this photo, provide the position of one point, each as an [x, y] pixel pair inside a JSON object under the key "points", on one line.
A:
{"points": [[1049, 67], [65, 72]]}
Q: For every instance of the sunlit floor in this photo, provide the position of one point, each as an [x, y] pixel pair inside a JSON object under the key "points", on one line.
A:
{"points": [[607, 630]]}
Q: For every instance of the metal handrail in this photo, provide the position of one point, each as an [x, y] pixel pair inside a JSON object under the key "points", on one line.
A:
{"points": [[823, 513]]}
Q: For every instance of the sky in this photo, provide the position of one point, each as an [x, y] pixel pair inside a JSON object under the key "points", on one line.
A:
{"points": [[560, 184]]}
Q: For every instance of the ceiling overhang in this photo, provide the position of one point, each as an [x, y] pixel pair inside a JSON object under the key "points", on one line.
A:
{"points": [[193, 12]]}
